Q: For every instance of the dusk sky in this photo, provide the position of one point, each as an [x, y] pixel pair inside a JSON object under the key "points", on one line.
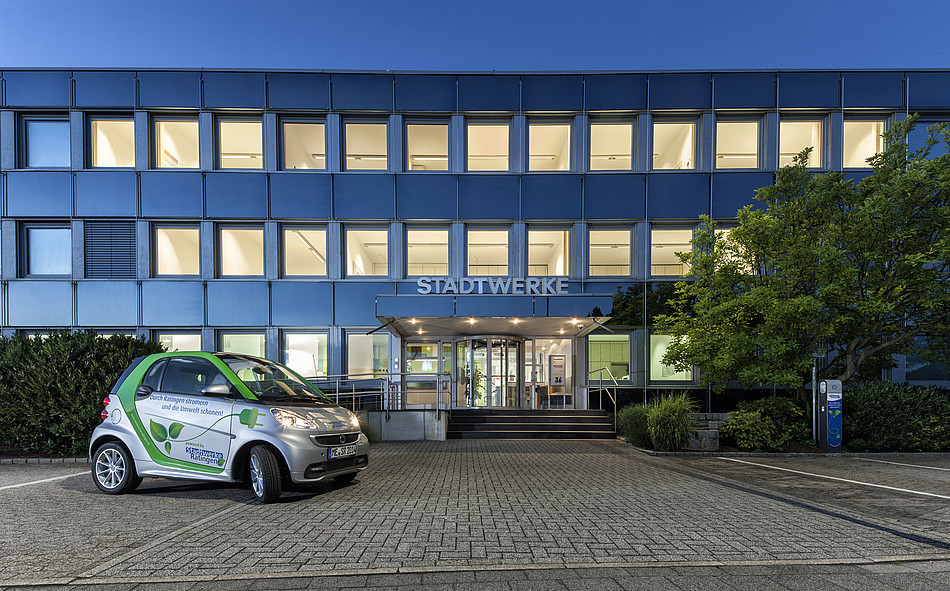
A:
{"points": [[487, 35]]}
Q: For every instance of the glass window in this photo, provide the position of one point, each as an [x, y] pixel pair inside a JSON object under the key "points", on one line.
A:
{"points": [[181, 341], [488, 252], [365, 146], [427, 147], [611, 351], [367, 355], [240, 144], [176, 251], [737, 144], [862, 139], [176, 144], [48, 251], [46, 143], [306, 354], [427, 252], [242, 252], [112, 142], [658, 370], [547, 252], [664, 244], [153, 377], [190, 375], [609, 252], [305, 252], [488, 147], [243, 343], [305, 146], [549, 146], [367, 252], [795, 136], [611, 146], [917, 138], [674, 145]]}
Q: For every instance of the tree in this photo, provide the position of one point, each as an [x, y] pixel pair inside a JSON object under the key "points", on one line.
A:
{"points": [[851, 271]]}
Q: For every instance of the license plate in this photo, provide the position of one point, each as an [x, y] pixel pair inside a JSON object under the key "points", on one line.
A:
{"points": [[341, 452]]}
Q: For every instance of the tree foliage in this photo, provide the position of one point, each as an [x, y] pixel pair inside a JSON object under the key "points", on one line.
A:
{"points": [[849, 270]]}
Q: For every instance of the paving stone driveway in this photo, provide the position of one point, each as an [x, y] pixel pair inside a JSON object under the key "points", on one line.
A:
{"points": [[426, 505]]}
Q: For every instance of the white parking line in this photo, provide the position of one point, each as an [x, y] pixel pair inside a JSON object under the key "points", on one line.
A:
{"points": [[41, 481], [915, 492], [903, 464]]}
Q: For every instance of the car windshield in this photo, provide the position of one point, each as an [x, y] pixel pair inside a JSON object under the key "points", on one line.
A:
{"points": [[272, 382]]}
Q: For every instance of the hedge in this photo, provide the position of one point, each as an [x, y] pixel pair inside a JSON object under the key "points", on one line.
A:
{"points": [[883, 416]]}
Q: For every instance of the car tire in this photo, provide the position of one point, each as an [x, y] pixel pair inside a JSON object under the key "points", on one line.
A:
{"points": [[113, 469], [344, 478], [263, 471]]}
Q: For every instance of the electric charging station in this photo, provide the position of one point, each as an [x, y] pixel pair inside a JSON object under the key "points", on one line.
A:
{"points": [[829, 416]]}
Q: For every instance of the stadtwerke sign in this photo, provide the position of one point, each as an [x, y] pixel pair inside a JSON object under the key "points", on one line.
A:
{"points": [[493, 285]]}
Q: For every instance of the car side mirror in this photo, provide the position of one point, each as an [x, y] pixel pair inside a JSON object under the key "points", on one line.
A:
{"points": [[217, 390], [143, 391]]}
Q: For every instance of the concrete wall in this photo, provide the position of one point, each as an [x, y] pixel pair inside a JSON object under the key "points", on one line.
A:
{"points": [[409, 425]]}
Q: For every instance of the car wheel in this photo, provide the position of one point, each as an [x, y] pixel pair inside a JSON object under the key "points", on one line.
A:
{"points": [[344, 478], [113, 469], [264, 471]]}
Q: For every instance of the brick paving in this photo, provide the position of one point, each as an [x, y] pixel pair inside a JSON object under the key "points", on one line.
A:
{"points": [[530, 508]]}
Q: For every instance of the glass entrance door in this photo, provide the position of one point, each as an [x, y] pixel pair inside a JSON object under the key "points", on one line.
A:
{"points": [[489, 372]]}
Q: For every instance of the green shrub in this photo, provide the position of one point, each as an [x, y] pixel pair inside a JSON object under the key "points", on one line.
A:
{"points": [[883, 416], [785, 413], [751, 431], [51, 388], [670, 421], [632, 422]]}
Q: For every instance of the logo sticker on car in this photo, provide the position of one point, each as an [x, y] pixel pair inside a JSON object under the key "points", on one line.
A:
{"points": [[249, 417]]}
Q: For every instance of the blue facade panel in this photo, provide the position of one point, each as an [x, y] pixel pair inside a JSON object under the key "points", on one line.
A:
{"points": [[489, 93], [172, 194], [744, 90], [105, 194], [56, 310], [298, 91], [680, 91], [408, 306], [426, 93], [552, 93], [40, 194], [731, 191], [301, 303], [426, 196], [356, 302], [238, 303], [494, 305], [551, 197], [362, 92], [579, 306], [107, 303], [928, 90], [233, 90], [169, 89], [172, 303], [873, 89], [677, 196], [364, 196], [615, 92], [300, 195], [37, 89], [818, 90], [614, 196], [236, 195], [105, 89], [489, 197], [857, 177]]}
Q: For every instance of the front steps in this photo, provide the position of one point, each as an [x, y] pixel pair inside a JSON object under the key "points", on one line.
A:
{"points": [[503, 423]]}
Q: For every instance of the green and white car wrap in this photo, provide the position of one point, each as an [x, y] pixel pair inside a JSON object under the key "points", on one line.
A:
{"points": [[223, 431]]}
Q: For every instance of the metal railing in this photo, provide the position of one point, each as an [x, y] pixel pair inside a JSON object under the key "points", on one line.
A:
{"points": [[381, 390], [601, 389]]}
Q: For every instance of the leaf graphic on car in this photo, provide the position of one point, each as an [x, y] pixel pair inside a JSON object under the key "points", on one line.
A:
{"points": [[160, 433]]}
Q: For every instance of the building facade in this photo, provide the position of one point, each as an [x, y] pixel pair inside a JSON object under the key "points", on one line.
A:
{"points": [[461, 233]]}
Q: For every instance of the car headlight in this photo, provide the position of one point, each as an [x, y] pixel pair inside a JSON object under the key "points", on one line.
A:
{"points": [[290, 419], [354, 421]]}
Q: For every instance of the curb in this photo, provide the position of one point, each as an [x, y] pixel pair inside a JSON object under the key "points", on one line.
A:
{"points": [[11, 461], [752, 454]]}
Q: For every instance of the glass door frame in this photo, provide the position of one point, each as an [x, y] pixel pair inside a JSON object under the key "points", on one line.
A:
{"points": [[503, 344]]}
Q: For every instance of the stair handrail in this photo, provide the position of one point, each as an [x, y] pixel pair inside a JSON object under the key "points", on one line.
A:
{"points": [[600, 389]]}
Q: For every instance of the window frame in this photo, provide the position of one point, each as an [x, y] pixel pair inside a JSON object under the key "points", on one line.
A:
{"points": [[158, 333], [346, 252], [284, 228], [691, 119], [282, 142], [153, 121], [488, 228], [346, 353], [23, 247], [568, 263], [406, 166], [863, 118], [630, 247], [310, 332], [650, 263], [219, 258], [488, 121], [344, 153], [822, 120], [88, 148], [632, 121], [448, 247], [571, 143], [693, 371], [218, 144], [153, 255], [759, 143], [23, 144], [221, 333]]}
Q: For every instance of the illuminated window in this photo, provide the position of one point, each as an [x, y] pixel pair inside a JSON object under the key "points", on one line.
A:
{"points": [[306, 354], [365, 146], [243, 343], [427, 252], [241, 252], [305, 252], [674, 145], [660, 372], [610, 351], [46, 143], [488, 147], [548, 252], [795, 136], [609, 252], [611, 146], [240, 144], [176, 143], [305, 146], [737, 144], [112, 143], [862, 139], [488, 252], [664, 246], [427, 146], [367, 355], [549, 146], [176, 251], [180, 341], [367, 253]]}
